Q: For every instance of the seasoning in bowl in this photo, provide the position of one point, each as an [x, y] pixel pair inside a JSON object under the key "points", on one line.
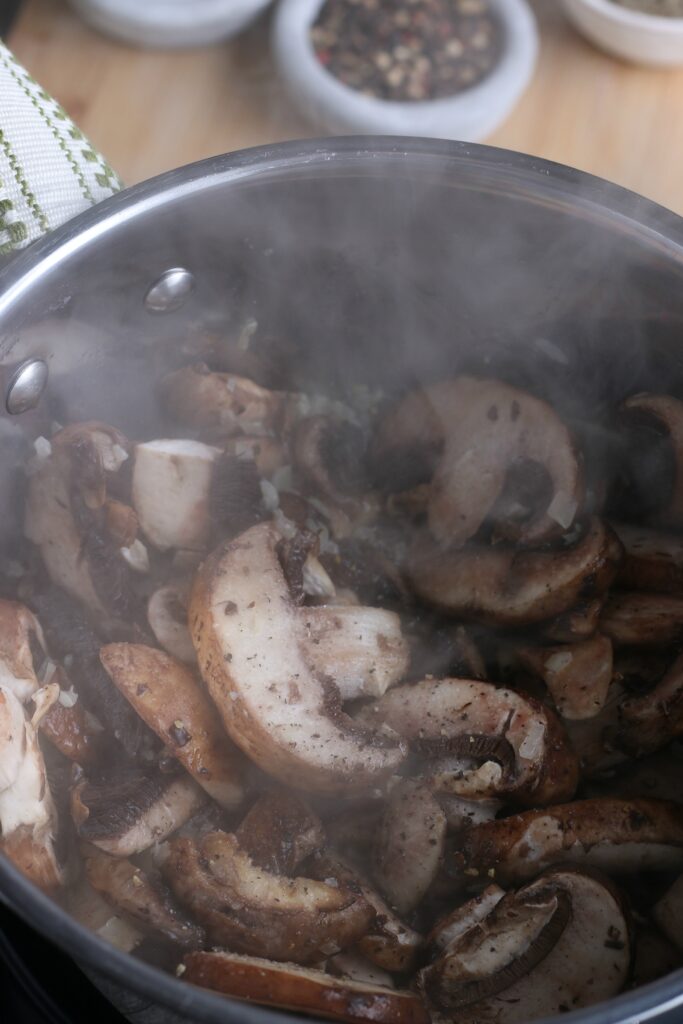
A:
{"points": [[405, 50]]}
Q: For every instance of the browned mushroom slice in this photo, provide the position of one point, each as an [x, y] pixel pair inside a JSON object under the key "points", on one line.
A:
{"points": [[558, 944], [453, 926], [254, 911], [28, 818], [126, 813], [302, 990], [409, 845], [502, 586], [267, 453], [619, 836], [642, 619], [577, 675], [66, 516], [22, 649], [69, 728], [222, 402], [505, 455], [247, 632], [328, 455], [522, 744], [595, 739], [653, 720], [171, 487], [280, 832], [668, 913], [463, 813], [169, 698], [652, 560], [663, 414], [577, 624], [134, 893], [389, 944], [355, 967], [362, 649], [167, 618]]}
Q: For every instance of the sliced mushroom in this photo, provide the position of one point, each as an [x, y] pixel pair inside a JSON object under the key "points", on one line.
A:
{"points": [[558, 944], [69, 728], [66, 517], [642, 619], [452, 927], [503, 455], [89, 908], [22, 649], [28, 818], [653, 561], [662, 415], [522, 744], [618, 836], [653, 720], [171, 487], [247, 632], [223, 403], [134, 894], [575, 625], [668, 913], [253, 911], [463, 813], [302, 990], [125, 813], [267, 453], [362, 649], [167, 618], [169, 698], [502, 586], [280, 832], [389, 944], [577, 675], [409, 845], [329, 455], [355, 967], [595, 739]]}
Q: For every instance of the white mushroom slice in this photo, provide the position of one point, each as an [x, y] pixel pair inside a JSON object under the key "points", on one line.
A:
{"points": [[618, 836], [21, 645], [124, 815], [577, 675], [28, 818], [251, 910], [668, 913], [665, 414], [171, 488], [268, 453], [502, 586], [558, 944], [248, 637], [170, 700], [66, 517], [523, 743], [653, 720], [642, 619], [389, 943], [134, 894], [303, 990], [167, 617], [362, 649], [222, 402], [409, 845], [355, 967], [493, 439], [652, 561], [452, 927]]}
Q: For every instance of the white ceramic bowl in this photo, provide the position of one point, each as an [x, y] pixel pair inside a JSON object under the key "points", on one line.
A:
{"points": [[337, 108], [169, 23], [643, 38]]}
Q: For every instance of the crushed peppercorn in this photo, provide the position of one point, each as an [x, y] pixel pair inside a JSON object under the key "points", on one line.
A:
{"points": [[407, 50]]}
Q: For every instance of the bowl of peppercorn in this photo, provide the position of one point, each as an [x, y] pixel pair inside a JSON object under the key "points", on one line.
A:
{"points": [[642, 31], [450, 69]]}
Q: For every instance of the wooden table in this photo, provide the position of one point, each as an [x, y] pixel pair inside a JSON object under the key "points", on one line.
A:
{"points": [[152, 110]]}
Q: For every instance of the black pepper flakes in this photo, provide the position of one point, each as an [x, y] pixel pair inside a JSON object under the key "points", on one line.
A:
{"points": [[408, 50]]}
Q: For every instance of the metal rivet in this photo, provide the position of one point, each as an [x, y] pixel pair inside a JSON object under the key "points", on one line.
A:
{"points": [[26, 386], [169, 291]]}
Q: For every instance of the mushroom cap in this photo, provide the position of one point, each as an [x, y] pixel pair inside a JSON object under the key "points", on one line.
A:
{"points": [[246, 630]]}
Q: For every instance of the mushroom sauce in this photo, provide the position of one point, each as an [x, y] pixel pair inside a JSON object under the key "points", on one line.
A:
{"points": [[363, 713]]}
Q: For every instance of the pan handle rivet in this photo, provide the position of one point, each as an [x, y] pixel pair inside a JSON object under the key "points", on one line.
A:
{"points": [[26, 386], [169, 291]]}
